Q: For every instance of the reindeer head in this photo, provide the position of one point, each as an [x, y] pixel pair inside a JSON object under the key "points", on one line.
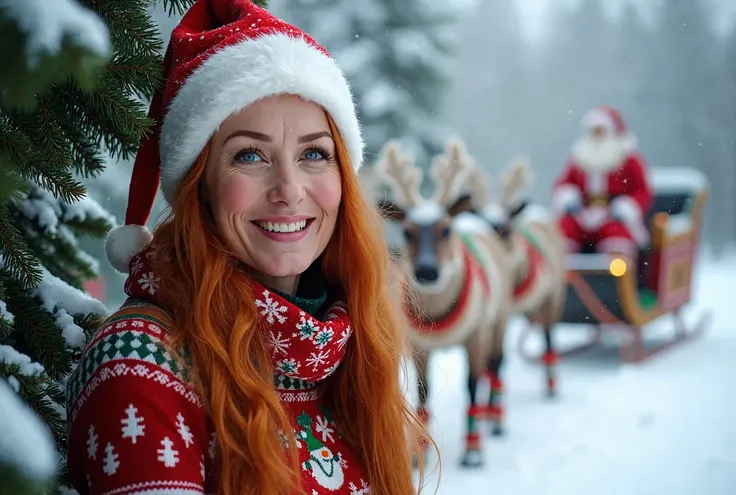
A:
{"points": [[500, 213], [427, 223]]}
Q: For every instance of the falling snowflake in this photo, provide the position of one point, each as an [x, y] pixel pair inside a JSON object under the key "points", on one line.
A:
{"points": [[323, 337], [149, 282], [272, 310], [316, 359], [323, 427], [288, 366], [307, 328], [277, 343], [344, 336]]}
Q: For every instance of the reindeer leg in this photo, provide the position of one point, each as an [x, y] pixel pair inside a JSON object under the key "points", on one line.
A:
{"points": [[473, 456], [493, 373], [551, 358], [421, 362]]}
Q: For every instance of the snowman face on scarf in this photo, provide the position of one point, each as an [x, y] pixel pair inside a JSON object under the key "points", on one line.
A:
{"points": [[324, 465]]}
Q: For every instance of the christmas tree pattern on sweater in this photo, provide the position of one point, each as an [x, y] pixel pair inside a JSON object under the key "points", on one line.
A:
{"points": [[136, 425]]}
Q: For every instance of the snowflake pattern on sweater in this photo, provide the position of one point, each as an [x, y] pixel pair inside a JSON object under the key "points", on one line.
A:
{"points": [[136, 425]]}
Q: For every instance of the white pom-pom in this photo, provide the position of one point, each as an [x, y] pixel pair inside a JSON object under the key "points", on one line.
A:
{"points": [[123, 243]]}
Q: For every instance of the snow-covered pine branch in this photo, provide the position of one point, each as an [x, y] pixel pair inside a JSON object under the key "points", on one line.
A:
{"points": [[27, 454], [62, 300], [46, 41]]}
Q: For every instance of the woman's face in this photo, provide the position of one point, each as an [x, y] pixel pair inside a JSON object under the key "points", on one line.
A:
{"points": [[273, 185]]}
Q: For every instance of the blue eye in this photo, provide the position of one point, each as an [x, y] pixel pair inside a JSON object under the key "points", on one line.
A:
{"points": [[313, 155], [247, 156]]}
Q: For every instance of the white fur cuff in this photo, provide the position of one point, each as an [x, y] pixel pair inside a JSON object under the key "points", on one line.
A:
{"points": [[123, 243], [564, 197], [627, 209]]}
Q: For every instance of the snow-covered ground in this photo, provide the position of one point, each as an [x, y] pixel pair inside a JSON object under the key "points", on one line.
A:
{"points": [[667, 426]]}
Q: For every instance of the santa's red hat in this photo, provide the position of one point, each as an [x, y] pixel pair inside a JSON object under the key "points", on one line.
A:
{"points": [[223, 56], [611, 119]]}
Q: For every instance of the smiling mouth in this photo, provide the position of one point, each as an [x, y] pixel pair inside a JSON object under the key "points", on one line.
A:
{"points": [[297, 226]]}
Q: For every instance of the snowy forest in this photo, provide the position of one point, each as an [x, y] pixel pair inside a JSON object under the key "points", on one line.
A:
{"points": [[476, 71]]}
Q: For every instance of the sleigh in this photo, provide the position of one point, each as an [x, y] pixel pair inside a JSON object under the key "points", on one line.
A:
{"points": [[616, 294]]}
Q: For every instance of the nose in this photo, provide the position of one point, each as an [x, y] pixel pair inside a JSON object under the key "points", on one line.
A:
{"points": [[502, 230], [426, 273], [288, 189]]}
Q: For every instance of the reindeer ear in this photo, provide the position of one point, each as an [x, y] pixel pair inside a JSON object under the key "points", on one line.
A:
{"points": [[390, 210], [463, 204]]}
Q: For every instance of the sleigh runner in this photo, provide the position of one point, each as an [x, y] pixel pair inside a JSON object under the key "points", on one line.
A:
{"points": [[616, 293]]}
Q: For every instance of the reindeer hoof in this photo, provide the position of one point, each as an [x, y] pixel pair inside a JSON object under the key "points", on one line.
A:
{"points": [[551, 393], [472, 459], [497, 430]]}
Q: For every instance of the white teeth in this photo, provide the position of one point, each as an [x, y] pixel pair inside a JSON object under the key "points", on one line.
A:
{"points": [[283, 227]]}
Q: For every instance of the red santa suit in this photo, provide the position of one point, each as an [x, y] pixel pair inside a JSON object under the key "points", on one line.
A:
{"points": [[603, 193]]}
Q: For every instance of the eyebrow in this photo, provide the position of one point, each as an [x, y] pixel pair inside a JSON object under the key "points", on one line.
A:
{"points": [[268, 139]]}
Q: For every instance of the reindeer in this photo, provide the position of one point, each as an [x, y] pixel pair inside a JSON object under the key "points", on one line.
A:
{"points": [[535, 248], [456, 276]]}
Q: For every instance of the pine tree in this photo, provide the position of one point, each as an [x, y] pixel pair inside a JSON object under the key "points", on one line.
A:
{"points": [[73, 92], [575, 75], [492, 40], [685, 78], [396, 54]]}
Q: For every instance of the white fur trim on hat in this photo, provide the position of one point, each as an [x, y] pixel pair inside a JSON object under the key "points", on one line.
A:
{"points": [[566, 196], [626, 208], [241, 74], [123, 243], [598, 118]]}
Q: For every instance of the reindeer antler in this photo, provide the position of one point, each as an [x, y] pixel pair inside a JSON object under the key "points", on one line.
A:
{"points": [[518, 178], [477, 183], [399, 170], [449, 171]]}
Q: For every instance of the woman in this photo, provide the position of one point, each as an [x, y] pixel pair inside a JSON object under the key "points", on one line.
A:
{"points": [[258, 352]]}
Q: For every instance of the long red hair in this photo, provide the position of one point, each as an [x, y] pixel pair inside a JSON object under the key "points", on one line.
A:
{"points": [[215, 319]]}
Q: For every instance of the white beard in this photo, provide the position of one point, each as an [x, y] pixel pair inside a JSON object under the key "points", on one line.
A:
{"points": [[600, 155]]}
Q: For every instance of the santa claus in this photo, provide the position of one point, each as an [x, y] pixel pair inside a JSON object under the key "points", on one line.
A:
{"points": [[603, 194]]}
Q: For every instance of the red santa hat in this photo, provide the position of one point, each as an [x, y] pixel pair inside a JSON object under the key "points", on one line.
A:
{"points": [[611, 119], [223, 56]]}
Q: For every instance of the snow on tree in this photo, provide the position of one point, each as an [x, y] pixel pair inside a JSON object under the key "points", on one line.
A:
{"points": [[27, 453], [396, 55], [73, 88]]}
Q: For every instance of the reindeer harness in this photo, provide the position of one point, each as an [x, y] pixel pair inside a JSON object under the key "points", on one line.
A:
{"points": [[474, 275]]}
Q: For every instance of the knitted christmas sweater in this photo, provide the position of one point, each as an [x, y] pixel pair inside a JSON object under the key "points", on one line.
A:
{"points": [[137, 426]]}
